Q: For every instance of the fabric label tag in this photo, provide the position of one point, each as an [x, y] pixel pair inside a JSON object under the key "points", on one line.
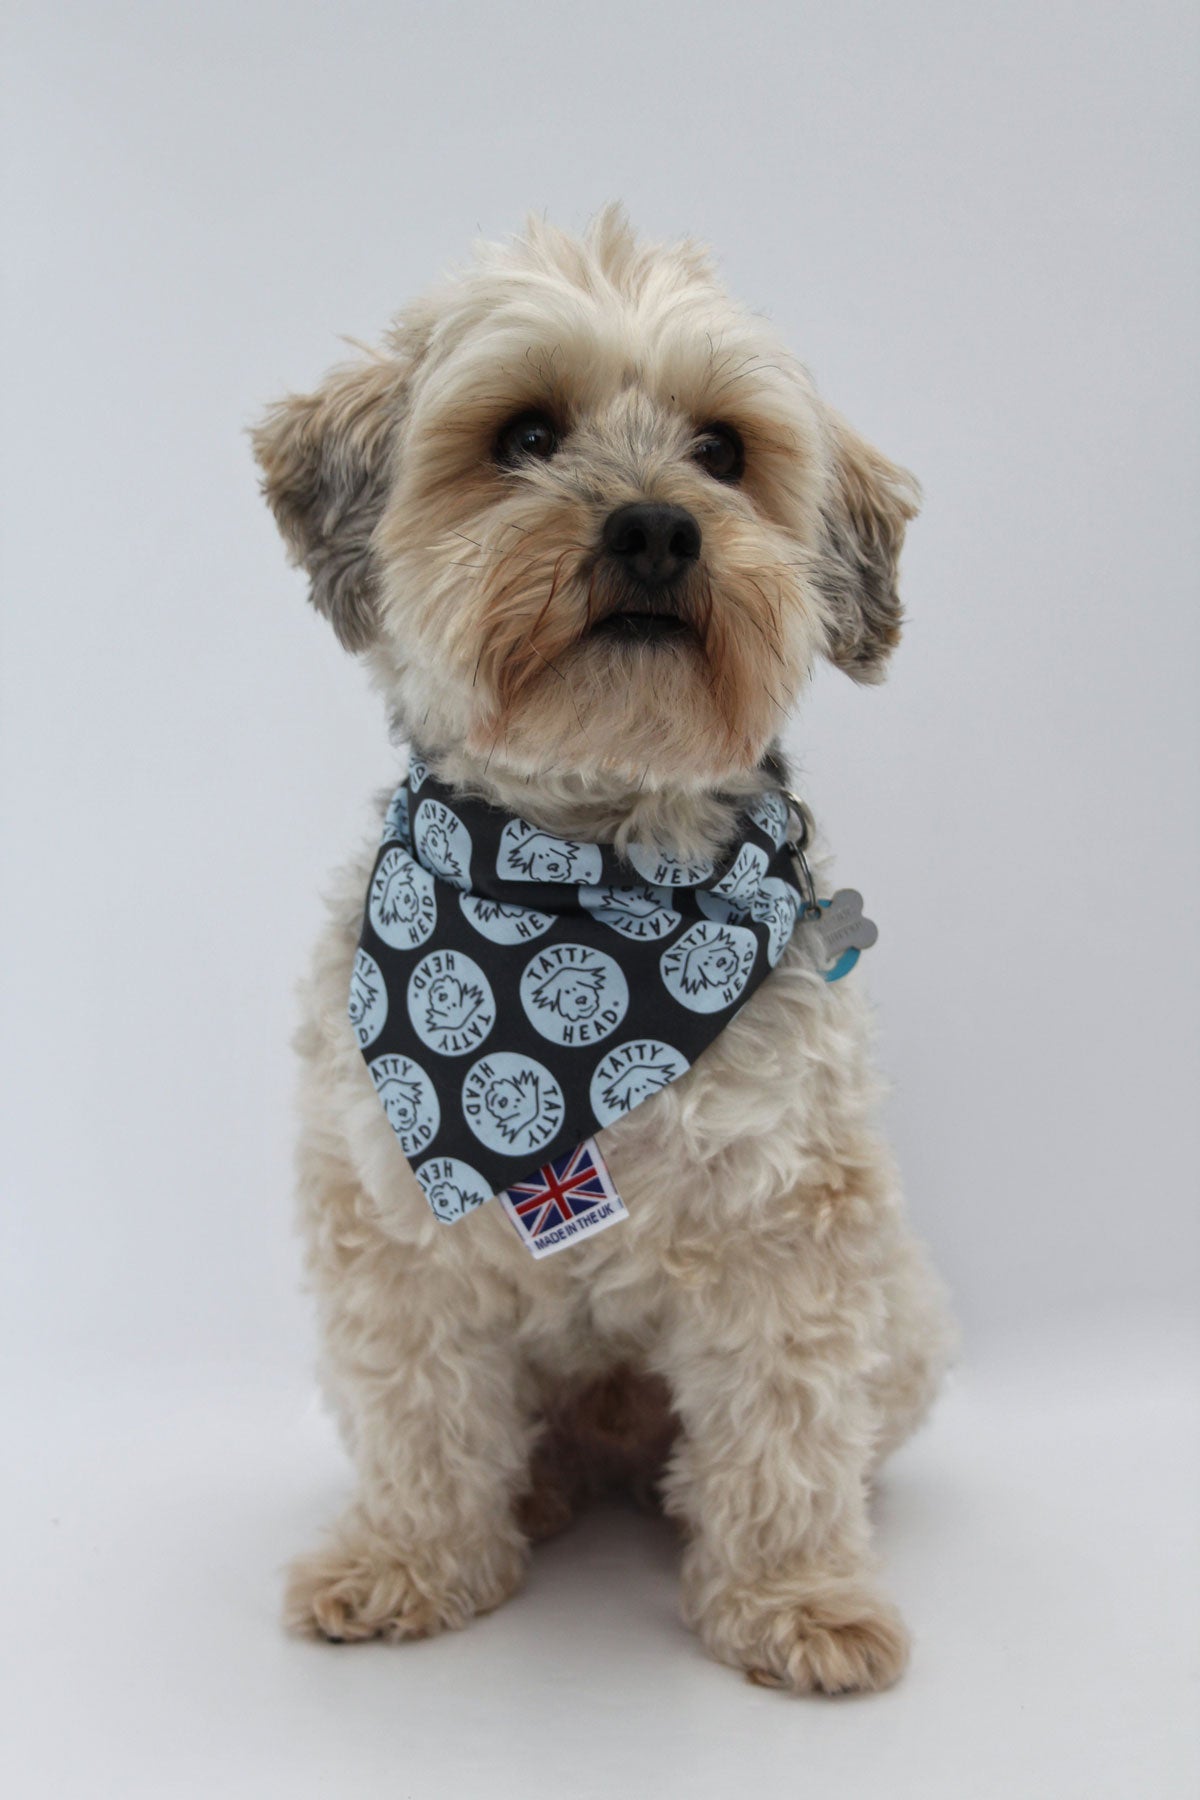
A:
{"points": [[569, 1199]]}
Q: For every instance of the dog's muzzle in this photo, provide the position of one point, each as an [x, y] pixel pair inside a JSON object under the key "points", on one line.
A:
{"points": [[650, 550]]}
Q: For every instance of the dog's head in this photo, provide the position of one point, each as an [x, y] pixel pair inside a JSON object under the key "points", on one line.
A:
{"points": [[584, 513]]}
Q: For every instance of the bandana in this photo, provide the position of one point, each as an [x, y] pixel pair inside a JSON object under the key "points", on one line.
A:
{"points": [[515, 991]]}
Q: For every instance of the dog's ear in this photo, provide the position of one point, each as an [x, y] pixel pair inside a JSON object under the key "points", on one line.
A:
{"points": [[868, 504], [326, 459]]}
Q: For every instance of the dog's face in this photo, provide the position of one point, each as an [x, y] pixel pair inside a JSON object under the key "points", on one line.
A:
{"points": [[585, 514]]}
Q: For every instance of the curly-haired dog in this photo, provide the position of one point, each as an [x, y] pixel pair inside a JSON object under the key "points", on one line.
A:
{"points": [[591, 527]]}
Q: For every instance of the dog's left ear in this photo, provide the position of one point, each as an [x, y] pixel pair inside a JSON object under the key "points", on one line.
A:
{"points": [[326, 459], [868, 504]]}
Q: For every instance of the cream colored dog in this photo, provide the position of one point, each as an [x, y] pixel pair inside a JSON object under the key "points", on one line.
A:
{"points": [[763, 1328]]}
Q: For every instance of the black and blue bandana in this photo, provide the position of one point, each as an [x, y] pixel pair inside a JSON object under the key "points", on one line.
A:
{"points": [[514, 991]]}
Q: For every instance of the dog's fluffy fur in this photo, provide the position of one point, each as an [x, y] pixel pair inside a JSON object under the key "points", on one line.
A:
{"points": [[763, 1328]]}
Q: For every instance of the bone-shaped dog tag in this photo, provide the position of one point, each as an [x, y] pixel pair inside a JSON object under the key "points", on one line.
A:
{"points": [[842, 925], [844, 932]]}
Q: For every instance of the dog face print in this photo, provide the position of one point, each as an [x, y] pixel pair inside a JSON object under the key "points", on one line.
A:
{"points": [[573, 994], [527, 854], [402, 1103], [402, 905], [543, 858], [396, 827], [709, 966], [512, 1103], [452, 1187], [450, 1002], [634, 1084], [437, 852], [443, 843], [770, 813], [631, 1073], [741, 882], [776, 906], [639, 912], [408, 1100], [368, 1003], [447, 1199]]}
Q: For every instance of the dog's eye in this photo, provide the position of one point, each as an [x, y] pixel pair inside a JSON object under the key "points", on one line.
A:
{"points": [[530, 434], [719, 452]]}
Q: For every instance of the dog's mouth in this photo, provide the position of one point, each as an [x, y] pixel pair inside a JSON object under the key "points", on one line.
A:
{"points": [[645, 619]]}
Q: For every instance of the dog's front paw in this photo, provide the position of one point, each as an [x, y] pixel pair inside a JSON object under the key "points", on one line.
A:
{"points": [[360, 1586], [837, 1638]]}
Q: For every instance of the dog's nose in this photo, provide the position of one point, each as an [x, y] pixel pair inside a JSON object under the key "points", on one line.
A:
{"points": [[654, 544]]}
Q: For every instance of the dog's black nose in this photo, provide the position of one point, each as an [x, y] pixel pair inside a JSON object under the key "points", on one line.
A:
{"points": [[654, 544]]}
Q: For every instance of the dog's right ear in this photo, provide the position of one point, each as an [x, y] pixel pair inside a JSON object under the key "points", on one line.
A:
{"points": [[326, 460], [870, 502]]}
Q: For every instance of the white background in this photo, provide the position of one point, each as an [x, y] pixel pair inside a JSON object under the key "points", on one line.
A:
{"points": [[974, 223]]}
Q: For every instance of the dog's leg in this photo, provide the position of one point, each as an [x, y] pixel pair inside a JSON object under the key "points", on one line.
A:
{"points": [[429, 1387], [920, 1340], [770, 1369], [441, 1448]]}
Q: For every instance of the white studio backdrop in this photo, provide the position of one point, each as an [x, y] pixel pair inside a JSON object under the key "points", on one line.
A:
{"points": [[973, 223]]}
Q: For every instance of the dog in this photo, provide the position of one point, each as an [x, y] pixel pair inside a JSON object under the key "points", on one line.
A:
{"points": [[591, 527]]}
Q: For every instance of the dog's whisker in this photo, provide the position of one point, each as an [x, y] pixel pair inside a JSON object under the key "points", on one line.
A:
{"points": [[537, 624], [773, 647], [547, 661], [743, 374], [591, 588]]}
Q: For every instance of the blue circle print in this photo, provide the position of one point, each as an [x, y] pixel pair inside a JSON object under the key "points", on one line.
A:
{"points": [[396, 829], [641, 913], [402, 905], [573, 994], [368, 1003], [450, 1003], [631, 1073], [408, 1100], [776, 906], [770, 813], [740, 882], [512, 1104], [529, 854], [707, 968], [443, 843], [451, 1187]]}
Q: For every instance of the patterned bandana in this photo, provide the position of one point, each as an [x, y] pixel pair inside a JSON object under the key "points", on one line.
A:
{"points": [[514, 991]]}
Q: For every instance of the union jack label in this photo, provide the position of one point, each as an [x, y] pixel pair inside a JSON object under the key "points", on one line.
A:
{"points": [[570, 1198]]}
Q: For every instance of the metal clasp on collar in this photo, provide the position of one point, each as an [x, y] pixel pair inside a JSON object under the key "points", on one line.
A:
{"points": [[800, 835]]}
